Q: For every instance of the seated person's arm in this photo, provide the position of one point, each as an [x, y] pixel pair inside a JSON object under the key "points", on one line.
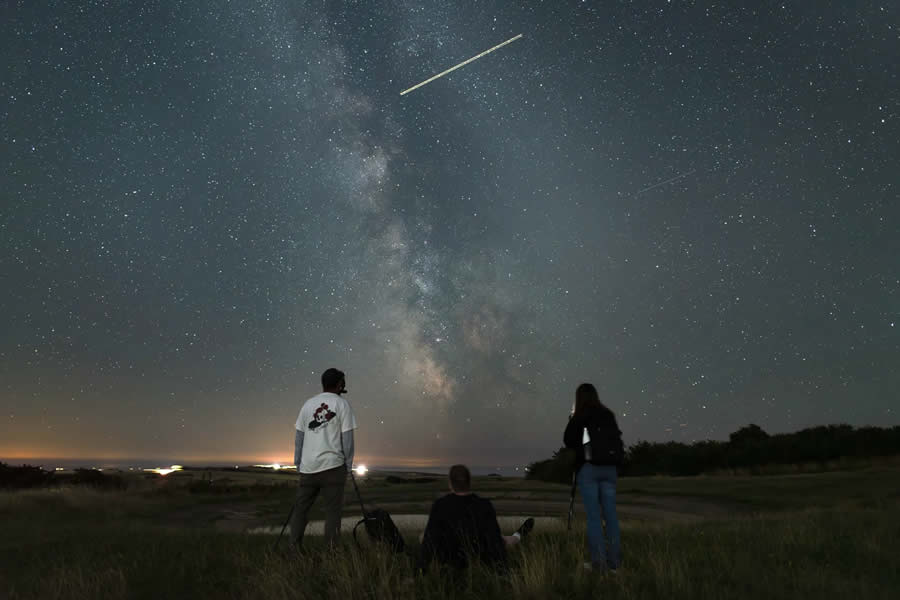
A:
{"points": [[494, 547], [429, 538]]}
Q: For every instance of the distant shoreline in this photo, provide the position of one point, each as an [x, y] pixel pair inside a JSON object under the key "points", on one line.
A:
{"points": [[147, 463]]}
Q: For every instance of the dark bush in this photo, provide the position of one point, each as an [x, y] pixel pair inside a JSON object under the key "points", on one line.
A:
{"points": [[26, 476], [557, 469], [749, 434], [396, 479]]}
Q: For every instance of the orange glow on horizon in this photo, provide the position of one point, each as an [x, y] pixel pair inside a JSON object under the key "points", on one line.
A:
{"points": [[52, 456]]}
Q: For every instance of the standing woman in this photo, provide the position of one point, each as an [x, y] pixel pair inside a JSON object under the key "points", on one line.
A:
{"points": [[594, 434]]}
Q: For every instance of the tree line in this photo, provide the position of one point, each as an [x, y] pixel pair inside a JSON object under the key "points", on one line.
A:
{"points": [[747, 448], [29, 476]]}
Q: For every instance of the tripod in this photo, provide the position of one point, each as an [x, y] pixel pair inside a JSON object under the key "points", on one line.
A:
{"points": [[571, 502]]}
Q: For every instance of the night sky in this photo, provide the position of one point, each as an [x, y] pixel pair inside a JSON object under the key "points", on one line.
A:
{"points": [[692, 205]]}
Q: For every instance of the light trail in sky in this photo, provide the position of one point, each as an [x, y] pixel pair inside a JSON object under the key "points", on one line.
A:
{"points": [[656, 185], [462, 64]]}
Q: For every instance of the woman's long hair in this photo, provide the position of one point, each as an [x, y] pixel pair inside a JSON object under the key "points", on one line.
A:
{"points": [[587, 400]]}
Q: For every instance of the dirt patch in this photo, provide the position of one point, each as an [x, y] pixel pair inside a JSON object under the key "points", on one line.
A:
{"points": [[239, 517]]}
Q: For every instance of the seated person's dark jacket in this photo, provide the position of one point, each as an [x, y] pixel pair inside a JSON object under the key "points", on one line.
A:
{"points": [[603, 423], [460, 527]]}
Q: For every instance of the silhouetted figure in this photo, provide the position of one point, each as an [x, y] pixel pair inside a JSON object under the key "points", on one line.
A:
{"points": [[594, 434], [463, 525]]}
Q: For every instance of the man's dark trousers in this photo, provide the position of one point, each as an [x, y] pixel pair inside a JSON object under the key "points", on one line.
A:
{"points": [[331, 484]]}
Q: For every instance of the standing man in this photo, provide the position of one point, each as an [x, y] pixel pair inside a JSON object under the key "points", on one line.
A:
{"points": [[323, 453]]}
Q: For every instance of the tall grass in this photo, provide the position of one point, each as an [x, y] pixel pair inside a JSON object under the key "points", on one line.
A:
{"points": [[825, 553], [846, 463]]}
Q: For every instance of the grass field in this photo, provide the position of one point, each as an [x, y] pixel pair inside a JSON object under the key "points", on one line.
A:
{"points": [[828, 535]]}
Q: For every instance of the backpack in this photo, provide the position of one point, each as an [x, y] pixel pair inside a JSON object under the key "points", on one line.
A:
{"points": [[378, 524], [607, 447], [381, 528]]}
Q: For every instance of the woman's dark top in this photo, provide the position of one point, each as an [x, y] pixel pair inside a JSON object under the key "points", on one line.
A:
{"points": [[463, 526], [606, 438]]}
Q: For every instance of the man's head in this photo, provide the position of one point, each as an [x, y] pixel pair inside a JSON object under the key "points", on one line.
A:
{"points": [[333, 381], [460, 479]]}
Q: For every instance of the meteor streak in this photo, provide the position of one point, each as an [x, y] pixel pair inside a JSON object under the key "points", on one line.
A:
{"points": [[656, 185], [462, 64]]}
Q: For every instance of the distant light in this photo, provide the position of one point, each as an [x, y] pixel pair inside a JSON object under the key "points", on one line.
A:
{"points": [[163, 471], [273, 466], [362, 470], [60, 469]]}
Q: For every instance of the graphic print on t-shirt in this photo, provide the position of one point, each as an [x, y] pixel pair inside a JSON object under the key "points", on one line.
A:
{"points": [[322, 415]]}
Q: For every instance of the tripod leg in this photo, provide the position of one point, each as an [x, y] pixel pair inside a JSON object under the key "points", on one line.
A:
{"points": [[571, 503], [356, 487], [290, 514]]}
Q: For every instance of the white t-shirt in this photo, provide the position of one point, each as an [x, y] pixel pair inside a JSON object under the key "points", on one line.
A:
{"points": [[322, 419]]}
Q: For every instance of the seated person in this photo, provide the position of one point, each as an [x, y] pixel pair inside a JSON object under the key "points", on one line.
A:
{"points": [[462, 524]]}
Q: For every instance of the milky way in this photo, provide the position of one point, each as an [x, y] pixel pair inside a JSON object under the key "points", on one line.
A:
{"points": [[204, 206]]}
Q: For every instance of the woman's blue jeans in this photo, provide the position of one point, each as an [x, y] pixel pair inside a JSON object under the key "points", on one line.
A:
{"points": [[598, 491]]}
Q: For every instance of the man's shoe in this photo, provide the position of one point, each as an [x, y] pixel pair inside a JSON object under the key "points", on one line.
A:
{"points": [[525, 528]]}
